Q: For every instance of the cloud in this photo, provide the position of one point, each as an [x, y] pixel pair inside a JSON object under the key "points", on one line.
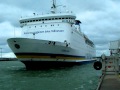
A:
{"points": [[9, 55], [30, 5], [12, 14], [7, 31], [100, 22]]}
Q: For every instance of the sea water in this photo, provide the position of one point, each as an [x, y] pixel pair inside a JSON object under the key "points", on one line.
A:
{"points": [[14, 76]]}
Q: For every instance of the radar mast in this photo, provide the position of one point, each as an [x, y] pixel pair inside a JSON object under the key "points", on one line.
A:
{"points": [[53, 8]]}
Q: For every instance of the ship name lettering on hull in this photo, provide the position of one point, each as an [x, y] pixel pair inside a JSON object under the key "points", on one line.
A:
{"points": [[45, 31]]}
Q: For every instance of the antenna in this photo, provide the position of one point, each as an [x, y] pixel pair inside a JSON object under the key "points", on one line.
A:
{"points": [[54, 3]]}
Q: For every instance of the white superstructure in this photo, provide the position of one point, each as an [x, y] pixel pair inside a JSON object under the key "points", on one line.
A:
{"points": [[52, 37]]}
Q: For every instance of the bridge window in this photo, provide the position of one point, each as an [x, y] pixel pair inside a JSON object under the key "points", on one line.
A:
{"points": [[67, 19]]}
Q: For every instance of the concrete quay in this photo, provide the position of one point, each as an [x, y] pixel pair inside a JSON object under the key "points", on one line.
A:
{"points": [[109, 82], [110, 79]]}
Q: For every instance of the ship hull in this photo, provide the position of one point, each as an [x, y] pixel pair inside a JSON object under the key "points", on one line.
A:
{"points": [[34, 65], [42, 53]]}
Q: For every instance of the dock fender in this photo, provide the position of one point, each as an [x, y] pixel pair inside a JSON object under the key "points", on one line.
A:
{"points": [[97, 65]]}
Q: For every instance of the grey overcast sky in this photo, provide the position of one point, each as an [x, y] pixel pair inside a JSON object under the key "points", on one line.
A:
{"points": [[100, 19]]}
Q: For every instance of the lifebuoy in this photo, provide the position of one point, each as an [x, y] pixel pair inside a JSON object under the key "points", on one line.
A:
{"points": [[97, 65]]}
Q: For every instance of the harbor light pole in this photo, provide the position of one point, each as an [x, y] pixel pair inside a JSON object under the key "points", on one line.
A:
{"points": [[1, 52]]}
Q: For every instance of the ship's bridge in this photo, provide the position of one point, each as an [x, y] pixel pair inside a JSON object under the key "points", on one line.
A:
{"points": [[48, 26], [54, 26]]}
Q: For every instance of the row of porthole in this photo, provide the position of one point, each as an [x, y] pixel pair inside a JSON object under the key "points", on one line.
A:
{"points": [[45, 26]]}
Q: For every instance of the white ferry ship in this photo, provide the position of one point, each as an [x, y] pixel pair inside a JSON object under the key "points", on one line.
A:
{"points": [[51, 38]]}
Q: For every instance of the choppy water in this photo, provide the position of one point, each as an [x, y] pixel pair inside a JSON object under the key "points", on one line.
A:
{"points": [[14, 76]]}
